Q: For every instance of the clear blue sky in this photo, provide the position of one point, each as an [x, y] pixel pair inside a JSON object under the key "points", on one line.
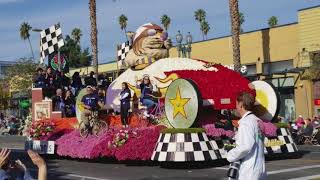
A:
{"points": [[75, 13]]}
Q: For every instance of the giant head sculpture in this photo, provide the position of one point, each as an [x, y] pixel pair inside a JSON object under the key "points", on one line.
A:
{"points": [[150, 43]]}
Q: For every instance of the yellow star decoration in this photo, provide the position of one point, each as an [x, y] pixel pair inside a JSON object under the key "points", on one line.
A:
{"points": [[178, 104]]}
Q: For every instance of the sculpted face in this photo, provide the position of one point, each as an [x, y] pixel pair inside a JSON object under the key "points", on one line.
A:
{"points": [[150, 41]]}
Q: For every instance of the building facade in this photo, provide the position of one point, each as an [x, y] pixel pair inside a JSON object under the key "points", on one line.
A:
{"points": [[278, 55]]}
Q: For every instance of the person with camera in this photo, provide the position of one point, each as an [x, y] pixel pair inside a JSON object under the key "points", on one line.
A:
{"points": [[11, 169], [248, 154]]}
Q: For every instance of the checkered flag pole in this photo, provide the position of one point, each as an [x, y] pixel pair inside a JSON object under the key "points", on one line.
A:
{"points": [[51, 41], [122, 51]]}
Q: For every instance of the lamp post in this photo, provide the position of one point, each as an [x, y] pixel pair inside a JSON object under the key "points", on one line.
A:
{"points": [[179, 39], [189, 42], [183, 49]]}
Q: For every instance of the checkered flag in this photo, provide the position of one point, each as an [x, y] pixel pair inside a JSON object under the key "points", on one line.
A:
{"points": [[50, 41], [123, 50]]}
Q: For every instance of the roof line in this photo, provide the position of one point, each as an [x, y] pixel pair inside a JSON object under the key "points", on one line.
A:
{"points": [[312, 7], [221, 37]]}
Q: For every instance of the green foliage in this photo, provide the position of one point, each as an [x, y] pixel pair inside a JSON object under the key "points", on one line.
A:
{"points": [[123, 20], [25, 30], [273, 21], [165, 21], [4, 94], [281, 125], [205, 27], [200, 15], [313, 73], [20, 75], [76, 35], [76, 56], [188, 130]]}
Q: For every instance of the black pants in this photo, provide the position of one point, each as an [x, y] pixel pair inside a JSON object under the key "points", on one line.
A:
{"points": [[124, 111]]}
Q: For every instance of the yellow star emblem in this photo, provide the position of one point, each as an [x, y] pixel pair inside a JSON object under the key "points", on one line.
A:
{"points": [[178, 104]]}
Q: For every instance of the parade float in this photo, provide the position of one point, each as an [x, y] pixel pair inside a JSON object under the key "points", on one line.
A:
{"points": [[198, 99]]}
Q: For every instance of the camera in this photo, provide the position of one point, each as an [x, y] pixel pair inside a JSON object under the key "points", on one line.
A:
{"points": [[233, 171]]}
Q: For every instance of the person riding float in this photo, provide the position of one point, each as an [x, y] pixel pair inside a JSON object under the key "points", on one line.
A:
{"points": [[90, 103], [146, 98]]}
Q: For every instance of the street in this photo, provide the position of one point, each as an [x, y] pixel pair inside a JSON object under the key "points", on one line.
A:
{"points": [[305, 166]]}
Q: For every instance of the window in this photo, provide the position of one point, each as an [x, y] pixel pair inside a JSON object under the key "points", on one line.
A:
{"points": [[274, 67]]}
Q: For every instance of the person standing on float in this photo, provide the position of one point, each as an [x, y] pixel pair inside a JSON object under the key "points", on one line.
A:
{"points": [[125, 97], [249, 148]]}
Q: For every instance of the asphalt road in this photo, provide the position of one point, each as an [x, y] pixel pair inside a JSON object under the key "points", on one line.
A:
{"points": [[305, 166]]}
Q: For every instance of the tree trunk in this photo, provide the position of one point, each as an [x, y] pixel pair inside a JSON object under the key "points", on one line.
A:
{"points": [[235, 29], [94, 39], [125, 32], [31, 48]]}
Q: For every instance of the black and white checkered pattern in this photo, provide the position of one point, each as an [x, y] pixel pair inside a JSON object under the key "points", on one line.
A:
{"points": [[288, 144], [183, 147], [197, 147], [123, 50], [50, 41]]}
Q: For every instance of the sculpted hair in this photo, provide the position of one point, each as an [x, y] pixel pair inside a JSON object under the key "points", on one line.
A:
{"points": [[247, 100]]}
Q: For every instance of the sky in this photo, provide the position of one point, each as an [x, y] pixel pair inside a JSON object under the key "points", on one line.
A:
{"points": [[42, 14]]}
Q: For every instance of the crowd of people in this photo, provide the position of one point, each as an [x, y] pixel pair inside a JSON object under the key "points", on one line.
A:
{"points": [[10, 125], [303, 128], [62, 90]]}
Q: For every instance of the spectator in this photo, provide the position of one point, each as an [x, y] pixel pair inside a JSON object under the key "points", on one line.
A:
{"points": [[58, 102], [76, 82], [50, 83], [39, 79], [65, 80], [102, 96], [69, 102], [315, 122], [49, 75], [10, 169], [125, 97], [249, 150], [91, 80], [300, 122], [308, 128], [102, 80]]}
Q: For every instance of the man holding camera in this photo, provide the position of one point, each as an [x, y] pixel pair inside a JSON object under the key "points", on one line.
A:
{"points": [[249, 149]]}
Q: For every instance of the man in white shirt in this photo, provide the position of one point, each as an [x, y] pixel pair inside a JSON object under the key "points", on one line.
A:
{"points": [[249, 148]]}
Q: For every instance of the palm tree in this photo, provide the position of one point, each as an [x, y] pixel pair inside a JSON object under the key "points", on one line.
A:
{"points": [[76, 35], [205, 28], [273, 21], [235, 29], [241, 20], [94, 39], [165, 21], [24, 34], [123, 23], [200, 16]]}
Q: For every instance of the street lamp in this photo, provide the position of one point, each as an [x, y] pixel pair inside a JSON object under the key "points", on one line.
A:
{"points": [[184, 48], [179, 38], [189, 42], [36, 30]]}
